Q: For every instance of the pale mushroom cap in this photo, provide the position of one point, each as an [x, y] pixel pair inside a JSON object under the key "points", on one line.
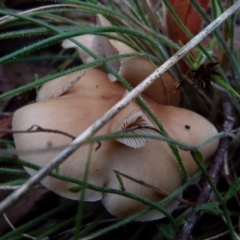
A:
{"points": [[136, 69], [72, 113], [149, 161], [188, 127], [86, 40], [158, 167], [133, 69]]}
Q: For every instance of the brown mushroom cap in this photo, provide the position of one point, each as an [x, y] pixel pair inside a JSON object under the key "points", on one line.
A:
{"points": [[149, 161], [163, 90]]}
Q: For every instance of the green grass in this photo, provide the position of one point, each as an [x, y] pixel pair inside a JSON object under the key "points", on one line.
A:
{"points": [[137, 26]]}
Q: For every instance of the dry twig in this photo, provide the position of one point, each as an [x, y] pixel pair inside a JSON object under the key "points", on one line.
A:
{"points": [[213, 171]]}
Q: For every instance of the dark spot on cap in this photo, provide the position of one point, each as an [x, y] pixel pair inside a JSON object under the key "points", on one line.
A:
{"points": [[187, 126]]}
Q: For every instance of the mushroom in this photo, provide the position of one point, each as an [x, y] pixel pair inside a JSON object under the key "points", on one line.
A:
{"points": [[148, 160], [133, 69], [86, 40], [94, 96]]}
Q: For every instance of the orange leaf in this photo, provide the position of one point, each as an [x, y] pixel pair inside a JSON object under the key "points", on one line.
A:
{"points": [[191, 19], [189, 16]]}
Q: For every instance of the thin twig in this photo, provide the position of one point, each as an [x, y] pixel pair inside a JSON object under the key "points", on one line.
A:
{"points": [[11, 188], [147, 185], [67, 87], [38, 129], [11, 225], [7, 18], [7, 188], [12, 198], [213, 171]]}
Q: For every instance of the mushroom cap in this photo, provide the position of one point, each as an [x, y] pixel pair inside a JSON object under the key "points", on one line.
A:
{"points": [[155, 163], [133, 69], [136, 69], [162, 91], [150, 161], [86, 40], [72, 113]]}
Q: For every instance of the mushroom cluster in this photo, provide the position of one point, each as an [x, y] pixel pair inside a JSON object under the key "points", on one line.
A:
{"points": [[133, 69], [146, 160], [151, 161]]}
